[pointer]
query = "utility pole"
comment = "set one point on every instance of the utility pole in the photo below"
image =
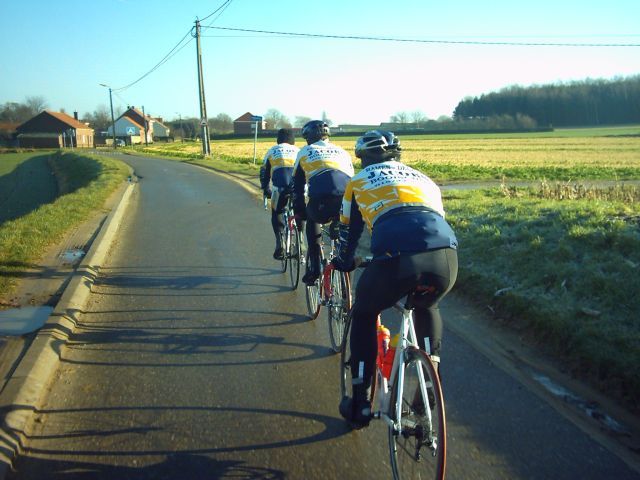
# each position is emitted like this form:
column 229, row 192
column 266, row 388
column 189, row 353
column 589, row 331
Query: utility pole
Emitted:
column 181, row 128
column 204, row 122
column 113, row 122
column 146, row 128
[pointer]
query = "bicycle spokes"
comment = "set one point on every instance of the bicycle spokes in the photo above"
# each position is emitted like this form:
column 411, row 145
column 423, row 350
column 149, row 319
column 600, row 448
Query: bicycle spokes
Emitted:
column 417, row 440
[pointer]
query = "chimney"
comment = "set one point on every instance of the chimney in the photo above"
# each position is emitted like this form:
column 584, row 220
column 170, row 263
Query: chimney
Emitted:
column 75, row 115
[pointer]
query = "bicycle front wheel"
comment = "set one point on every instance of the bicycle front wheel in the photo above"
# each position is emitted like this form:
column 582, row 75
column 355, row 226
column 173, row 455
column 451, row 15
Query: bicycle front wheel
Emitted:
column 345, row 361
column 418, row 449
column 338, row 308
column 284, row 241
column 295, row 253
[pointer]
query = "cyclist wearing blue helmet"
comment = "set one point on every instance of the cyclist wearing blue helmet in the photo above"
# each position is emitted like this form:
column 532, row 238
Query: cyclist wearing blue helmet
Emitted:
column 277, row 170
column 413, row 247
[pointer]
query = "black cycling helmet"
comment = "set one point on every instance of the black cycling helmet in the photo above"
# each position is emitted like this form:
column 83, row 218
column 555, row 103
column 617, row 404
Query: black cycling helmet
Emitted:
column 286, row 135
column 377, row 146
column 315, row 130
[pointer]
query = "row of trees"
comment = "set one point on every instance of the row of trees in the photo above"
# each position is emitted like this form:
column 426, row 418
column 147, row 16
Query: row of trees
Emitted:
column 588, row 103
column 15, row 112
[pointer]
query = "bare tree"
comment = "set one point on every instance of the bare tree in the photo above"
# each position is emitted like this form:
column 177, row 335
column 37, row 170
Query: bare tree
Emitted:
column 99, row 120
column 276, row 119
column 418, row 117
column 400, row 117
column 16, row 112
column 300, row 121
column 221, row 123
column 36, row 104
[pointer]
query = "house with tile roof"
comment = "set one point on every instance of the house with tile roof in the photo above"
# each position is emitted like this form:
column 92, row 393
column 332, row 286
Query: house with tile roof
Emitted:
column 128, row 130
column 51, row 129
column 133, row 125
column 159, row 129
column 245, row 124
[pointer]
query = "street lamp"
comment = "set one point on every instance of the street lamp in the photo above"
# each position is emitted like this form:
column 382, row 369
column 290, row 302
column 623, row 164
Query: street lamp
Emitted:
column 113, row 122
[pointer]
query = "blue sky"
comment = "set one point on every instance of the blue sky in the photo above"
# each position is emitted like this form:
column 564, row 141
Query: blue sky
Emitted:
column 62, row 50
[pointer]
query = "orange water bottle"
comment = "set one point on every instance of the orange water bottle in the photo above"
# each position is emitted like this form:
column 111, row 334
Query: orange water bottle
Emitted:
column 387, row 363
column 384, row 337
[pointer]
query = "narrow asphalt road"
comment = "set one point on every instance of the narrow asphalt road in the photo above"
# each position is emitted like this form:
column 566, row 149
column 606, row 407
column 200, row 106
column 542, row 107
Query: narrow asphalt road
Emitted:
column 194, row 360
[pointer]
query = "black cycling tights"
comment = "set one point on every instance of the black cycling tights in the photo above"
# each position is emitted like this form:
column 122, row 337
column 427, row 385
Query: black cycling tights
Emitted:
column 383, row 283
column 319, row 211
column 279, row 201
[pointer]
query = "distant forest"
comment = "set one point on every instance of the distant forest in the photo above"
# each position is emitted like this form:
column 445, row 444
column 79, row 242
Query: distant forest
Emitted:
column 580, row 103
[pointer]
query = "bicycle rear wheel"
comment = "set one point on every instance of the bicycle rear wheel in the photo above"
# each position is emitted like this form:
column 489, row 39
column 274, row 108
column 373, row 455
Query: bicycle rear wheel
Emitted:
column 419, row 449
column 338, row 308
column 295, row 253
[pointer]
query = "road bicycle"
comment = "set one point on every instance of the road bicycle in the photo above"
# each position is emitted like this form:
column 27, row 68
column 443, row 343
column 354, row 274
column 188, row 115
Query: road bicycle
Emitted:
column 407, row 397
column 332, row 289
column 291, row 242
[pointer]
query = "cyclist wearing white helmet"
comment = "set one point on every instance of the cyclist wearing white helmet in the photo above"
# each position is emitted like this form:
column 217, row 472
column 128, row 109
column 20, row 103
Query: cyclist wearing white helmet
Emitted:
column 412, row 245
column 326, row 169
column 277, row 169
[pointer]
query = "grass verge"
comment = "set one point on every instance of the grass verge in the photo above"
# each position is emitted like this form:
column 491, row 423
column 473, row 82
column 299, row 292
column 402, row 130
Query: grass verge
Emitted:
column 562, row 269
column 85, row 181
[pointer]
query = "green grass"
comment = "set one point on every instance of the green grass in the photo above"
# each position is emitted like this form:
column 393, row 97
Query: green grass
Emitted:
column 86, row 182
column 564, row 270
column 20, row 174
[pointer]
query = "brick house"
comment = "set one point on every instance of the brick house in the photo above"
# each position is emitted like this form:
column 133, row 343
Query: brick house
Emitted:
column 54, row 130
column 244, row 124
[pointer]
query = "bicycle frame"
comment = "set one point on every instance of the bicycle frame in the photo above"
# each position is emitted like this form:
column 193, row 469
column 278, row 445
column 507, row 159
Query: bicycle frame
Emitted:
column 383, row 392
column 326, row 272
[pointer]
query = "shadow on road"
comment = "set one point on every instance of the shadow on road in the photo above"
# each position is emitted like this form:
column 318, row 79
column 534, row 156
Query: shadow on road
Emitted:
column 174, row 466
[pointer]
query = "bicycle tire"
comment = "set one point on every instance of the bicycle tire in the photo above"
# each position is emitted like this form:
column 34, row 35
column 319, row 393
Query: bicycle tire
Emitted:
column 419, row 450
column 338, row 308
column 284, row 241
column 295, row 252
column 314, row 293
column 345, row 359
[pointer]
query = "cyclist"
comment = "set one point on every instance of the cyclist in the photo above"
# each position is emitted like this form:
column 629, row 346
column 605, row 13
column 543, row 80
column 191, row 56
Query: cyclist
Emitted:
column 412, row 247
column 325, row 169
column 277, row 169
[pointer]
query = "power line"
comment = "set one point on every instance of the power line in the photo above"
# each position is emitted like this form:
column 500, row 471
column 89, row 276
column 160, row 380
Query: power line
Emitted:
column 221, row 7
column 417, row 40
column 171, row 53
column 177, row 47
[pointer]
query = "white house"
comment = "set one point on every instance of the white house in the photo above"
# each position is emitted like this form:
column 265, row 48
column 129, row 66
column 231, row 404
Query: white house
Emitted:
column 159, row 129
column 128, row 129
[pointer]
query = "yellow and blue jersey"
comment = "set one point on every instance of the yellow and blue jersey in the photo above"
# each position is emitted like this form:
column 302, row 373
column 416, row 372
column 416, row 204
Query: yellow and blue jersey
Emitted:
column 277, row 165
column 402, row 208
column 326, row 169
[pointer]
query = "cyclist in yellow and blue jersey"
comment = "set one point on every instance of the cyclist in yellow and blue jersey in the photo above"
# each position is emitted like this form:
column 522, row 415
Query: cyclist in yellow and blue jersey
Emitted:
column 413, row 246
column 325, row 169
column 277, row 169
